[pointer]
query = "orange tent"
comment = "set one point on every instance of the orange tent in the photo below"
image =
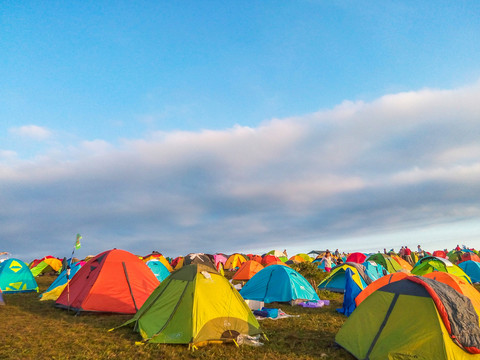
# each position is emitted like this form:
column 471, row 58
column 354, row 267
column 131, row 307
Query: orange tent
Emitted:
column 384, row 280
column 297, row 259
column 247, row 270
column 267, row 259
column 470, row 256
column 257, row 258
column 114, row 281
column 234, row 261
column 403, row 263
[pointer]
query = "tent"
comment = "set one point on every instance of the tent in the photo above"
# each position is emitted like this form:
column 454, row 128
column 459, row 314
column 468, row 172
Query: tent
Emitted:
column 336, row 280
column 268, row 259
column 15, row 277
column 35, row 262
column 378, row 284
column 386, row 261
column 114, row 281
column 440, row 253
column 177, row 263
column 472, row 269
column 220, row 258
column 403, row 263
column 158, row 256
column 352, row 289
column 278, row 283
column 158, row 268
column 257, row 258
column 431, row 263
column 48, row 264
column 56, row 288
column 247, row 270
column 375, row 271
column 414, row 318
column 199, row 258
column 470, row 256
column 234, row 261
column 194, row 305
column 356, row 257
column 279, row 254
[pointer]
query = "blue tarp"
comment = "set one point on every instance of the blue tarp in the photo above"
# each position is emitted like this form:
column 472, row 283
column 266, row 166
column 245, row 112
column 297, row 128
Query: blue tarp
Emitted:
column 351, row 292
column 278, row 283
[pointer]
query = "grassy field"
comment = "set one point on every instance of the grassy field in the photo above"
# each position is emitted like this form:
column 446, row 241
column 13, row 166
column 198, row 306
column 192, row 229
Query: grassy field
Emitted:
column 33, row 329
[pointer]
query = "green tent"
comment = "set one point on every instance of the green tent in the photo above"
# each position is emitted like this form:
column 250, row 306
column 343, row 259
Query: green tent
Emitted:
column 195, row 305
column 431, row 263
column 386, row 261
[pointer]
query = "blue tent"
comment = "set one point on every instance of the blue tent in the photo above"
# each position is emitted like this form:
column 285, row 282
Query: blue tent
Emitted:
column 278, row 283
column 351, row 292
column 336, row 280
column 15, row 276
column 159, row 270
column 375, row 271
column 472, row 269
column 62, row 278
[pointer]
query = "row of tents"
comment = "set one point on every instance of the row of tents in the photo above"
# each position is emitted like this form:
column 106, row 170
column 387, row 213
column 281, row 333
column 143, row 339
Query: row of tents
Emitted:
column 429, row 310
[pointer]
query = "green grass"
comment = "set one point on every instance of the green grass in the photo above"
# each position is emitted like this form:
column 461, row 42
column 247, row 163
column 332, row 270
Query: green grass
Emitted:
column 33, row 329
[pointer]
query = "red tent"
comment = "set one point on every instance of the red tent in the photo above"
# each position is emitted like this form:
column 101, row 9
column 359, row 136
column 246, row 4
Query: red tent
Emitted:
column 440, row 253
column 256, row 258
column 470, row 256
column 356, row 257
column 269, row 259
column 114, row 281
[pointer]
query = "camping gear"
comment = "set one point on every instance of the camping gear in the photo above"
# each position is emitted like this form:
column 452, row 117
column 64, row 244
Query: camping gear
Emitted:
column 414, row 318
column 278, row 283
column 114, row 281
column 158, row 268
column 15, row 277
column 247, row 270
column 472, row 269
column 56, row 288
column 336, row 280
column 430, row 263
column 195, row 305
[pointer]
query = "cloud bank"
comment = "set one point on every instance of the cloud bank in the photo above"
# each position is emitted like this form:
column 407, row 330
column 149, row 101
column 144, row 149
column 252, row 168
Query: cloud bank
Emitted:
column 404, row 162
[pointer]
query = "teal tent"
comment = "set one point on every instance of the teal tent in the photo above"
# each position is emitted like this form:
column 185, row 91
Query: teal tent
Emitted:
column 159, row 270
column 278, row 283
column 15, row 276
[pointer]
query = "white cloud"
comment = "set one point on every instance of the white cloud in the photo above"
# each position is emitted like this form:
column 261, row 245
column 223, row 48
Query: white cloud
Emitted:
column 32, row 132
column 400, row 162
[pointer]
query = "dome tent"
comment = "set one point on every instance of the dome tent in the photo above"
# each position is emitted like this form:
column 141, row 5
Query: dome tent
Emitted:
column 195, row 305
column 278, row 283
column 16, row 277
column 388, row 332
column 114, row 281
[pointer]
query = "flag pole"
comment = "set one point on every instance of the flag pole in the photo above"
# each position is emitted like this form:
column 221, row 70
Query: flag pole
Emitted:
column 76, row 246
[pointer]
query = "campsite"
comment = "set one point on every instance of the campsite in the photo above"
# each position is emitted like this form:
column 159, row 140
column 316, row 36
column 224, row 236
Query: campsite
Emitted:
column 100, row 326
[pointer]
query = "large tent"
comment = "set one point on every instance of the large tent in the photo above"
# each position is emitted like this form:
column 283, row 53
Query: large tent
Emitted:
column 114, row 281
column 472, row 269
column 195, row 305
column 15, row 277
column 414, row 318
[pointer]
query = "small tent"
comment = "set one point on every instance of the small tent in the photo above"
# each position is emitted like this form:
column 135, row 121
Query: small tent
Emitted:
column 247, row 270
column 278, row 283
column 386, row 261
column 199, row 258
column 336, row 281
column 114, row 281
column 15, row 277
column 158, row 268
column 356, row 257
column 56, row 288
column 430, row 263
column 159, row 257
column 48, row 264
column 195, row 305
column 472, row 269
column 234, row 261
column 414, row 318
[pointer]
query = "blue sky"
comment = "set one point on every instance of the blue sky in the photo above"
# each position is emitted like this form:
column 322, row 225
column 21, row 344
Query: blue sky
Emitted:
column 238, row 126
